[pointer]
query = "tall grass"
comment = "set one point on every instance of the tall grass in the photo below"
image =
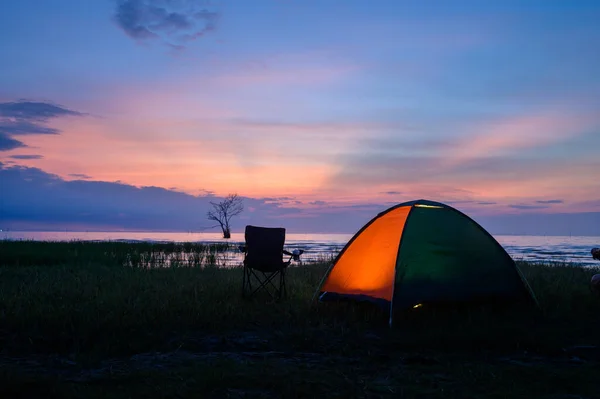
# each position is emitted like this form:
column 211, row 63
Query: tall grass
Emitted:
column 87, row 299
column 115, row 253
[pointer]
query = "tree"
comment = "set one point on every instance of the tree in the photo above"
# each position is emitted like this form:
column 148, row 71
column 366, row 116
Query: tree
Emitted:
column 223, row 212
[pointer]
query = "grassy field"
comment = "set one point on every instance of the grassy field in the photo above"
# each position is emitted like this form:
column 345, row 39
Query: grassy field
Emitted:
column 99, row 320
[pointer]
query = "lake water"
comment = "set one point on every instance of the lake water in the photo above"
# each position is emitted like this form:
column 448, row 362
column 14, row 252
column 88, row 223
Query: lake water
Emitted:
column 318, row 246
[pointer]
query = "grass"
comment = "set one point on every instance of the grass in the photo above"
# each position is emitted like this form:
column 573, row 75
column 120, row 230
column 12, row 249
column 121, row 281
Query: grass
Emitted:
column 114, row 253
column 82, row 320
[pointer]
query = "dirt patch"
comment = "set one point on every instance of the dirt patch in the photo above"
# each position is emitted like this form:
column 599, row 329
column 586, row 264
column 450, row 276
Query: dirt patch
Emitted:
column 251, row 347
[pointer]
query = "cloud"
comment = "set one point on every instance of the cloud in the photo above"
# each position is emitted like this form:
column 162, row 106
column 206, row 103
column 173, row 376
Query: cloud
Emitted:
column 557, row 224
column 24, row 127
column 594, row 204
column 290, row 75
column 174, row 22
column 277, row 199
column 318, row 203
column 34, row 199
column 486, row 203
column 518, row 206
column 502, row 159
column 554, row 201
column 515, row 133
column 281, row 202
column 80, row 175
column 208, row 193
column 459, row 202
column 20, row 118
column 34, row 111
column 24, row 156
column 7, row 143
column 392, row 192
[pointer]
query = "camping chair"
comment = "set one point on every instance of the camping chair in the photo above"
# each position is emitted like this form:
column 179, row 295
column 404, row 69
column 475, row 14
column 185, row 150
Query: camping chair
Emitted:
column 263, row 260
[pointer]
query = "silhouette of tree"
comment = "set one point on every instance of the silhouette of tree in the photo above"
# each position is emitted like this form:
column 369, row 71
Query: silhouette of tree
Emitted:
column 223, row 212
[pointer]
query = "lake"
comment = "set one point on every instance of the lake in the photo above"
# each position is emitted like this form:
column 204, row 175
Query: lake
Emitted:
column 575, row 249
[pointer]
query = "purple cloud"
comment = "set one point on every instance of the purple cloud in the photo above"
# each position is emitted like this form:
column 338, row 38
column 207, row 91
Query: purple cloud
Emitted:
column 28, row 117
column 26, row 156
column 392, row 192
column 517, row 206
column 32, row 197
column 32, row 111
column 8, row 143
column 35, row 199
column 80, row 176
column 175, row 22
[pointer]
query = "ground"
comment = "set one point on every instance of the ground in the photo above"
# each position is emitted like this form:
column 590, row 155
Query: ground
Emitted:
column 83, row 325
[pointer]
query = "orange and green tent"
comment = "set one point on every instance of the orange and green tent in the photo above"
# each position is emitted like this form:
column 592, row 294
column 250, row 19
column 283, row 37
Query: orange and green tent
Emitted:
column 423, row 252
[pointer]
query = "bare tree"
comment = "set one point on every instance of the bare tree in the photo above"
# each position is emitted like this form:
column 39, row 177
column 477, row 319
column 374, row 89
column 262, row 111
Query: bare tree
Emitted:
column 223, row 212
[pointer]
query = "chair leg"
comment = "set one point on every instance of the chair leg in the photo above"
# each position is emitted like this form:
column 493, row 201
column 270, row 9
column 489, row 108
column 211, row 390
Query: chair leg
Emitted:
column 247, row 282
column 283, row 283
column 268, row 282
column 280, row 292
column 278, row 289
column 244, row 282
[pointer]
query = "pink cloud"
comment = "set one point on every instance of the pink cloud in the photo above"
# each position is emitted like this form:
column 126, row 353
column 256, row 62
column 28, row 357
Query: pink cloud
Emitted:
column 297, row 75
column 98, row 149
column 196, row 93
column 483, row 166
column 507, row 135
column 171, row 134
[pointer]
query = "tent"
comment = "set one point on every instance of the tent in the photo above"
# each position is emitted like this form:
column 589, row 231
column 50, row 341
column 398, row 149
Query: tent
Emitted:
column 423, row 252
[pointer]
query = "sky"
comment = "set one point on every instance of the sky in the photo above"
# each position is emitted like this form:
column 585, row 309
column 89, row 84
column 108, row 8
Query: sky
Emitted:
column 135, row 114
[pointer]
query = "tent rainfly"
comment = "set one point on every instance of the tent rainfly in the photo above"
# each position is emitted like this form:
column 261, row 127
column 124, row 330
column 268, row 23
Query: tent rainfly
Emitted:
column 423, row 252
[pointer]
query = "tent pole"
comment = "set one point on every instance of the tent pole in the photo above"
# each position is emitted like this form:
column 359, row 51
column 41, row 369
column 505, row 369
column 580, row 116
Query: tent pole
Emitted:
column 404, row 267
column 321, row 282
column 524, row 280
column 392, row 301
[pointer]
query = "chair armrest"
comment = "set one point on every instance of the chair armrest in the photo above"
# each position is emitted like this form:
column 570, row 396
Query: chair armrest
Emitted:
column 295, row 254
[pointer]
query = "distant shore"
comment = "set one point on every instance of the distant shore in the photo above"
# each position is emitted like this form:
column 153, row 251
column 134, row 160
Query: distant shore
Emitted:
column 544, row 249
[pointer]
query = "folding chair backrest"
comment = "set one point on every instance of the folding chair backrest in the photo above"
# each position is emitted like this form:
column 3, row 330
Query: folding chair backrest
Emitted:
column 264, row 247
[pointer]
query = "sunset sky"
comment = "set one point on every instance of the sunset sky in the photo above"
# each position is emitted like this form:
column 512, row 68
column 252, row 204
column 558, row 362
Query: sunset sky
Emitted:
column 133, row 114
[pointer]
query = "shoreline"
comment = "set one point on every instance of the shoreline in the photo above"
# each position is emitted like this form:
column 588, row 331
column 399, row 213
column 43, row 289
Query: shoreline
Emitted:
column 316, row 251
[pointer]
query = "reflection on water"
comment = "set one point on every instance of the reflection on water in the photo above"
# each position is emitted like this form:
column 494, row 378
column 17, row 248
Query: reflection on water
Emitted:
column 551, row 249
column 324, row 246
